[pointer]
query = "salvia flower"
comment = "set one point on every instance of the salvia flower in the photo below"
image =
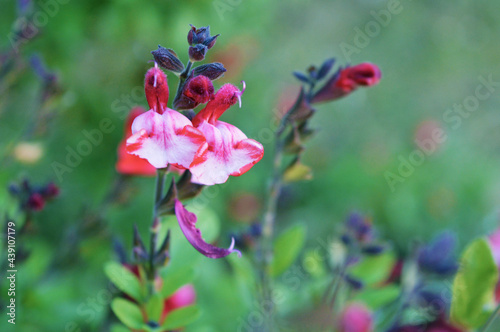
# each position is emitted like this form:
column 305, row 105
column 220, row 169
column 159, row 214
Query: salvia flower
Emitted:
column 347, row 80
column 167, row 138
column 230, row 151
column 438, row 256
column 156, row 88
column 187, row 222
column 164, row 136
column 127, row 163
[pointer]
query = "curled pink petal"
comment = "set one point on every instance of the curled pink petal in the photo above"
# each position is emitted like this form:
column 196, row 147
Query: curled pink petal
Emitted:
column 187, row 222
column 165, row 139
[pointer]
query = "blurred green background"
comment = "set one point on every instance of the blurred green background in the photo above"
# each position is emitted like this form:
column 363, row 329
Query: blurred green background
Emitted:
column 431, row 54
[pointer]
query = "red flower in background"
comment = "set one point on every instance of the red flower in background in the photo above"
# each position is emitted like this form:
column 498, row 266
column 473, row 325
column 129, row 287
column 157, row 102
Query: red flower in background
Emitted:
column 183, row 297
column 127, row 163
column 347, row 80
column 230, row 151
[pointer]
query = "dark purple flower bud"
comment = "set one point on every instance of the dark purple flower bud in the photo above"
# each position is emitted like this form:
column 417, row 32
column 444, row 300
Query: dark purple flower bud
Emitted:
column 437, row 303
column 325, row 68
column 359, row 227
column 167, row 59
column 438, row 256
column 139, row 251
column 255, row 229
column 211, row 70
column 119, row 250
column 346, row 239
column 197, row 52
column 373, row 249
column 353, row 282
column 14, row 189
column 302, row 77
column 187, row 222
column 50, row 191
column 36, row 202
column 153, row 324
column 201, row 36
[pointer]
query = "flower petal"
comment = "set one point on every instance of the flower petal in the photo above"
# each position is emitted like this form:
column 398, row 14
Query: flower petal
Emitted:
column 230, row 152
column 187, row 222
column 166, row 139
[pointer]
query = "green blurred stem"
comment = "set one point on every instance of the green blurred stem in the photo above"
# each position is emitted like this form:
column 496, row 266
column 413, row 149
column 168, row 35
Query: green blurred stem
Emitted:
column 335, row 286
column 491, row 319
column 268, row 227
column 155, row 226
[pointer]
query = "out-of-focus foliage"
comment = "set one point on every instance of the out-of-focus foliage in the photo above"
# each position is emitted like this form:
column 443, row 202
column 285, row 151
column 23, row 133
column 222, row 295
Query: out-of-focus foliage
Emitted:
column 433, row 55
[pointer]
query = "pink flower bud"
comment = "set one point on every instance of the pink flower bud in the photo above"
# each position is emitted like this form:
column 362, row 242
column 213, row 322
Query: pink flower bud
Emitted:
column 347, row 80
column 355, row 318
column 36, row 202
column 200, row 89
column 156, row 88
column 364, row 74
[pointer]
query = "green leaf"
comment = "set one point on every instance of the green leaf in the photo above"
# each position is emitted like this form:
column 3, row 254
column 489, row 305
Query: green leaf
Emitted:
column 373, row 269
column 376, row 298
column 286, row 248
column 124, row 280
column 474, row 285
column 181, row 317
column 245, row 277
column 119, row 328
column 128, row 313
column 175, row 279
column 154, row 307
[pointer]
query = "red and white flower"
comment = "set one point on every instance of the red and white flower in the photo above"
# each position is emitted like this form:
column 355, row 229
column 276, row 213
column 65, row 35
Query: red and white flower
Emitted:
column 164, row 136
column 230, row 151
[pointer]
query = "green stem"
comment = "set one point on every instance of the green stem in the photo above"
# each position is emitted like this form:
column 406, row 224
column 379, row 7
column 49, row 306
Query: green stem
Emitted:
column 266, row 249
column 160, row 183
column 337, row 282
column 491, row 319
column 182, row 79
